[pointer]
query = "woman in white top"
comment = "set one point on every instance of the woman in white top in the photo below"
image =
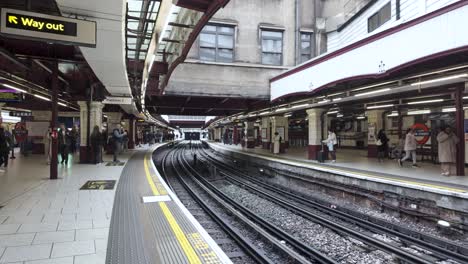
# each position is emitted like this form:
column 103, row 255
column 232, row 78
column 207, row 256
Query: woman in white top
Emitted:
column 276, row 143
column 331, row 142
column 410, row 148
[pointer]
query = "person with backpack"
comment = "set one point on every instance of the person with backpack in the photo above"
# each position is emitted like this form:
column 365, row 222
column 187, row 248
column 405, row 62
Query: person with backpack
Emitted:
column 117, row 136
column 331, row 142
column 382, row 145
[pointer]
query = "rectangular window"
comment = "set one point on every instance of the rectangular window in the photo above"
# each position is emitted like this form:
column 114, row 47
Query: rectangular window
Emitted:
column 272, row 47
column 306, row 46
column 379, row 18
column 217, row 43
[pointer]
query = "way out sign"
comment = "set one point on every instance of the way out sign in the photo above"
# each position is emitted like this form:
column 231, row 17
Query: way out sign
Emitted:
column 37, row 26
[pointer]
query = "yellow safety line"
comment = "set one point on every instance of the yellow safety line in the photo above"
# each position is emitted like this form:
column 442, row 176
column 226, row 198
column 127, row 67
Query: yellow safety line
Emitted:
column 180, row 235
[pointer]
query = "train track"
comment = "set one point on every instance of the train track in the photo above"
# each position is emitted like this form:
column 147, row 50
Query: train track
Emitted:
column 202, row 191
column 308, row 208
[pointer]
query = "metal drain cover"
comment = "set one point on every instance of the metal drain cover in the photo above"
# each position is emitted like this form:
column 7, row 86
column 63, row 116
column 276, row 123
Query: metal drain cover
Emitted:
column 99, row 185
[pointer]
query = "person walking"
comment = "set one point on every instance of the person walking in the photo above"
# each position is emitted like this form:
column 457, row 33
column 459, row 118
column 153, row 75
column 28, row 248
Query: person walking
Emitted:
column 331, row 142
column 447, row 142
column 96, row 144
column 410, row 148
column 382, row 145
column 4, row 148
column 276, row 143
column 117, row 135
column 64, row 143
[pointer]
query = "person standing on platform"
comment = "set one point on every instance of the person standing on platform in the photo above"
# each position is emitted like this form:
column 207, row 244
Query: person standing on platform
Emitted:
column 276, row 143
column 447, row 150
column 118, row 135
column 4, row 148
column 410, row 148
column 331, row 142
column 96, row 144
column 73, row 139
column 382, row 145
column 64, row 143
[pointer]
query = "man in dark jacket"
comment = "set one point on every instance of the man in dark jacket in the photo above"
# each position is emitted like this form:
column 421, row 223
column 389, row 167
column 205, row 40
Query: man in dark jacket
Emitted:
column 117, row 135
column 64, row 143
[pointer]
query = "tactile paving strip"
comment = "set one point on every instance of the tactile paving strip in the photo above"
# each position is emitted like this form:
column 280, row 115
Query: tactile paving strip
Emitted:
column 151, row 232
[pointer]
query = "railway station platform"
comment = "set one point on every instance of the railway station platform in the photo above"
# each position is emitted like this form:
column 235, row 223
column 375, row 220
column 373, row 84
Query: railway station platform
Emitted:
column 53, row 221
column 355, row 164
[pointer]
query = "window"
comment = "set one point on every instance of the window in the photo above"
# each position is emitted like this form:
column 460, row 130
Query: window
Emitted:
column 379, row 18
column 217, row 43
column 306, row 46
column 272, row 47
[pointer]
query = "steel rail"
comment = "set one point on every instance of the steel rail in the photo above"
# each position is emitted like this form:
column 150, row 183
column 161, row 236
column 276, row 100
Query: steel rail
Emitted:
column 248, row 247
column 277, row 232
column 400, row 253
column 450, row 251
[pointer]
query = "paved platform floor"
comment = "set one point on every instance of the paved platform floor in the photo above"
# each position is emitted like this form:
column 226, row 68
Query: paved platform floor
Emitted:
column 357, row 159
column 52, row 221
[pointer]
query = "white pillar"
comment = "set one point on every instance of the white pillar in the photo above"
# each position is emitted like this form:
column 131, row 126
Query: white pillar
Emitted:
column 375, row 123
column 315, row 132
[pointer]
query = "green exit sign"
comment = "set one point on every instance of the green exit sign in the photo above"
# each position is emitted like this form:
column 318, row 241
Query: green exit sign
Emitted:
column 37, row 26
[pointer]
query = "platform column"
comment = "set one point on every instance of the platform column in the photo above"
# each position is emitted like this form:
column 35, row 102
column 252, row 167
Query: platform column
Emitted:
column 131, row 132
column 265, row 132
column 315, row 132
column 375, row 123
column 461, row 130
column 235, row 135
column 95, row 120
column 280, row 124
column 249, row 134
column 217, row 134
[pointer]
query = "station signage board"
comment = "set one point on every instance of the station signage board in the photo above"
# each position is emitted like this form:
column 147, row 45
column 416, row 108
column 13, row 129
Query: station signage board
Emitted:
column 118, row 100
column 38, row 26
column 20, row 113
column 7, row 95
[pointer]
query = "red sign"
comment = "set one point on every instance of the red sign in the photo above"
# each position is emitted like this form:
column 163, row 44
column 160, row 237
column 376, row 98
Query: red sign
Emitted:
column 20, row 132
column 422, row 133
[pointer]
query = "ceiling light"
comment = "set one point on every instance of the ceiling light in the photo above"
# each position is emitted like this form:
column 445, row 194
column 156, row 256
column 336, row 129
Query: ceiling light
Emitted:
column 324, row 101
column 299, row 106
column 42, row 97
column 393, row 114
column 371, row 86
column 337, row 99
column 339, row 115
column 426, row 101
column 447, row 110
column 361, row 117
column 373, row 92
column 62, row 104
column 380, row 106
column 281, row 109
column 15, row 88
column 332, row 112
column 419, row 112
column 264, row 113
column 287, row 115
column 441, row 79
